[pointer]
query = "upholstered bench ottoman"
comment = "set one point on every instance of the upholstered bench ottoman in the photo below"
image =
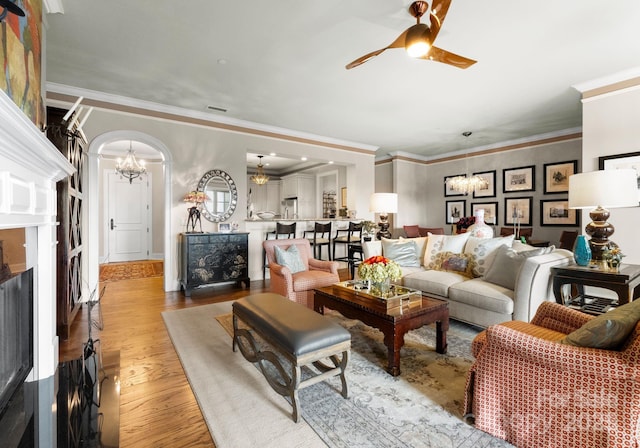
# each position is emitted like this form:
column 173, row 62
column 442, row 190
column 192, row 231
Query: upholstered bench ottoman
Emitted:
column 296, row 333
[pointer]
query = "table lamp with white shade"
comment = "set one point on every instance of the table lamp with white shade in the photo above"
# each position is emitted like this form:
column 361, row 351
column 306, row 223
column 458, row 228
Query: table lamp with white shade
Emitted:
column 383, row 203
column 600, row 190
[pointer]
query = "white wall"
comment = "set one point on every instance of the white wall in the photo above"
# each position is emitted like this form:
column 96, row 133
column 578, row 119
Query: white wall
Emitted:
column 196, row 149
column 611, row 126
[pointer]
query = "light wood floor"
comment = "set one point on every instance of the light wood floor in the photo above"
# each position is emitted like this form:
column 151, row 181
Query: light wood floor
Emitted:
column 157, row 407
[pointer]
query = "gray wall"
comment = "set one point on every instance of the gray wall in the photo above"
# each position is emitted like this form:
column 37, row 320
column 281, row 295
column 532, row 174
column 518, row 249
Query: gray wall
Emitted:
column 421, row 186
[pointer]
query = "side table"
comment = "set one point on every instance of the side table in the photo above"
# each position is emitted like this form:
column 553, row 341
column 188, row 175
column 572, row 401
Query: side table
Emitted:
column 624, row 282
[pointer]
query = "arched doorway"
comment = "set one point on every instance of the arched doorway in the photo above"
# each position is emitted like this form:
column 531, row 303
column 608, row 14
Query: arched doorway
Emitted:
column 94, row 203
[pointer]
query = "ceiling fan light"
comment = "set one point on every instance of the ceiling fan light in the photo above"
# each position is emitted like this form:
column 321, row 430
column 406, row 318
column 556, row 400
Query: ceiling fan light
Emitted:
column 418, row 40
column 418, row 49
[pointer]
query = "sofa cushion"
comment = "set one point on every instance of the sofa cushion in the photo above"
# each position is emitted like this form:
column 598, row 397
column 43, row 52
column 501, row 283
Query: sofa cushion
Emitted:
column 403, row 252
column 607, row 331
column 507, row 263
column 483, row 251
column 443, row 243
column 433, row 282
column 290, row 258
column 484, row 295
column 450, row 262
column 421, row 244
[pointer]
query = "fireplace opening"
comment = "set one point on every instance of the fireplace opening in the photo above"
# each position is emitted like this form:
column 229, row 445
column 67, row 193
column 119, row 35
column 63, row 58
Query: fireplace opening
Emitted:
column 16, row 334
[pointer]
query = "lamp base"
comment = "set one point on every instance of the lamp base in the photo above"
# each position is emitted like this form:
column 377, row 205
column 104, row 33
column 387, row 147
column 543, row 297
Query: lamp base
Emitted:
column 599, row 230
column 384, row 228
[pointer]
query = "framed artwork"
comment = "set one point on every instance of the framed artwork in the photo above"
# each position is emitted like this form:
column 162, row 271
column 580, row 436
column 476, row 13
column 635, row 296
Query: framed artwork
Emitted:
column 455, row 210
column 490, row 191
column 490, row 211
column 224, row 227
column 557, row 213
column 556, row 176
column 448, row 191
column 519, row 179
column 517, row 211
column 622, row 161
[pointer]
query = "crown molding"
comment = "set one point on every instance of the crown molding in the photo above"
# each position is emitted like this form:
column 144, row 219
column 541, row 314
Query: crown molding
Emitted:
column 64, row 93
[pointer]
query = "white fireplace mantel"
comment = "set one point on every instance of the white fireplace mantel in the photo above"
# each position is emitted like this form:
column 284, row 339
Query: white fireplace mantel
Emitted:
column 30, row 166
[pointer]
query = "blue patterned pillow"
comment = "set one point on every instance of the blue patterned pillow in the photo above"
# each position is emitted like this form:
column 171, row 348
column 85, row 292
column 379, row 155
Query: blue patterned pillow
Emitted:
column 290, row 259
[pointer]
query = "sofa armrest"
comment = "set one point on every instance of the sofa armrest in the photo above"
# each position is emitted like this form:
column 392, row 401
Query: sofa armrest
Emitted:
column 580, row 362
column 533, row 284
column 323, row 265
column 281, row 279
column 560, row 318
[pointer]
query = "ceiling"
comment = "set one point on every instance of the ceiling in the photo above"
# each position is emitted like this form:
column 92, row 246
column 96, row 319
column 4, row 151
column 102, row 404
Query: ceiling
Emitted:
column 282, row 63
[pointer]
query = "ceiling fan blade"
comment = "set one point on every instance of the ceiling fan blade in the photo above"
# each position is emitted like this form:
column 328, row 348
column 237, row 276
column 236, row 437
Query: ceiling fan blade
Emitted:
column 12, row 7
column 398, row 43
column 446, row 57
column 439, row 10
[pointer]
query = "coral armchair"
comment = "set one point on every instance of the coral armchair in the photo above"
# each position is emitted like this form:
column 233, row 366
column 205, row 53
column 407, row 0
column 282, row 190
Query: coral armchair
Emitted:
column 532, row 391
column 299, row 286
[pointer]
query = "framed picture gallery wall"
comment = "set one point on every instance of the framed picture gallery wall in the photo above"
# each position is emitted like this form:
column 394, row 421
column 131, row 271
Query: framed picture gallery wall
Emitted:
column 556, row 176
column 519, row 179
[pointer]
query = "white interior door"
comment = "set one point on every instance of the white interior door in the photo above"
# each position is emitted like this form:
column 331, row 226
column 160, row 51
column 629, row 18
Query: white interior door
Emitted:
column 128, row 218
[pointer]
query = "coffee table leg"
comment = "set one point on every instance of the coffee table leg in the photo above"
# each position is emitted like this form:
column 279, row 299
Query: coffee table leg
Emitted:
column 393, row 342
column 441, row 337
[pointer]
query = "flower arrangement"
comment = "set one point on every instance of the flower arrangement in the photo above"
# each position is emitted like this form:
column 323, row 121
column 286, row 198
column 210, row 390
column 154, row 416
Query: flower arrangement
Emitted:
column 613, row 257
column 378, row 269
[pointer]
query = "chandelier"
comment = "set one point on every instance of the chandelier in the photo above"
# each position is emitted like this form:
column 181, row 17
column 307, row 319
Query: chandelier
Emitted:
column 260, row 178
column 130, row 167
column 467, row 185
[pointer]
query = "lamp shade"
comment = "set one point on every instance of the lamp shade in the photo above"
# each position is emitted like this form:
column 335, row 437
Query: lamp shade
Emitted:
column 383, row 203
column 605, row 188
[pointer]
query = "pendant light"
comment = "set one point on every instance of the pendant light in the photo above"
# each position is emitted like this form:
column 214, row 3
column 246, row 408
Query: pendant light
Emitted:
column 260, row 178
column 130, row 168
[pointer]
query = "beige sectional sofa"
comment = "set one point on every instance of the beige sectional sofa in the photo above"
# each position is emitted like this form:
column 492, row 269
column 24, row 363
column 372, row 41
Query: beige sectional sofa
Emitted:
column 486, row 281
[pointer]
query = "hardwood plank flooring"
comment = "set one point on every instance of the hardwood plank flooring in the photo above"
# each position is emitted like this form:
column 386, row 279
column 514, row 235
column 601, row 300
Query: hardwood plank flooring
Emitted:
column 157, row 407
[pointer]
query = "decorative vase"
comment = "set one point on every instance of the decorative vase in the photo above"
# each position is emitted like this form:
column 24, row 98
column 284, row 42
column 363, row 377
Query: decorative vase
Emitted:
column 382, row 288
column 582, row 251
column 480, row 229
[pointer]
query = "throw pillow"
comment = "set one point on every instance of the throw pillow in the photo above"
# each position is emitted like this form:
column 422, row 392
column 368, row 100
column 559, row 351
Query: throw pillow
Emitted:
column 290, row 258
column 443, row 243
column 483, row 251
column 607, row 331
column 421, row 243
column 411, row 231
column 403, row 252
column 450, row 262
column 506, row 265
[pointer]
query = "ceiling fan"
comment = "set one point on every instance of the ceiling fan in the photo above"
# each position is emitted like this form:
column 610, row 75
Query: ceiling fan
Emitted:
column 418, row 39
column 10, row 6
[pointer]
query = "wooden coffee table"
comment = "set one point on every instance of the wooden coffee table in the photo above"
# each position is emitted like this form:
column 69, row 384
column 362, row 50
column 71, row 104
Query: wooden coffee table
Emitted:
column 392, row 323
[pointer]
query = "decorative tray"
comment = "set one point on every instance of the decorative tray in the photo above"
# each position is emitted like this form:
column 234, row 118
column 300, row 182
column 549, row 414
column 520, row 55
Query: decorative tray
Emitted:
column 397, row 296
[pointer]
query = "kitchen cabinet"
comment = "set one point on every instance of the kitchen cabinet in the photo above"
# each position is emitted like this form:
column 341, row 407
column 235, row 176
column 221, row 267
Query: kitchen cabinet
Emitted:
column 209, row 258
column 302, row 186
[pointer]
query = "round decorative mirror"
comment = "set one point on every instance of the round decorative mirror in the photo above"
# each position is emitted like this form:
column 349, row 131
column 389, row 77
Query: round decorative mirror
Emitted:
column 221, row 195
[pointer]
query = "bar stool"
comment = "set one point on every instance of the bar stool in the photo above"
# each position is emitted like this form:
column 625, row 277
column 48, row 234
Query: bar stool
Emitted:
column 321, row 236
column 287, row 231
column 349, row 235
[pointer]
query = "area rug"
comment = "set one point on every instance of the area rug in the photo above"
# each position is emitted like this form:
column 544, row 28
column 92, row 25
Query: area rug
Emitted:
column 420, row 408
column 112, row 272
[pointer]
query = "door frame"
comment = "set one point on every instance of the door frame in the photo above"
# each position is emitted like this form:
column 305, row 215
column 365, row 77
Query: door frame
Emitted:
column 93, row 177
